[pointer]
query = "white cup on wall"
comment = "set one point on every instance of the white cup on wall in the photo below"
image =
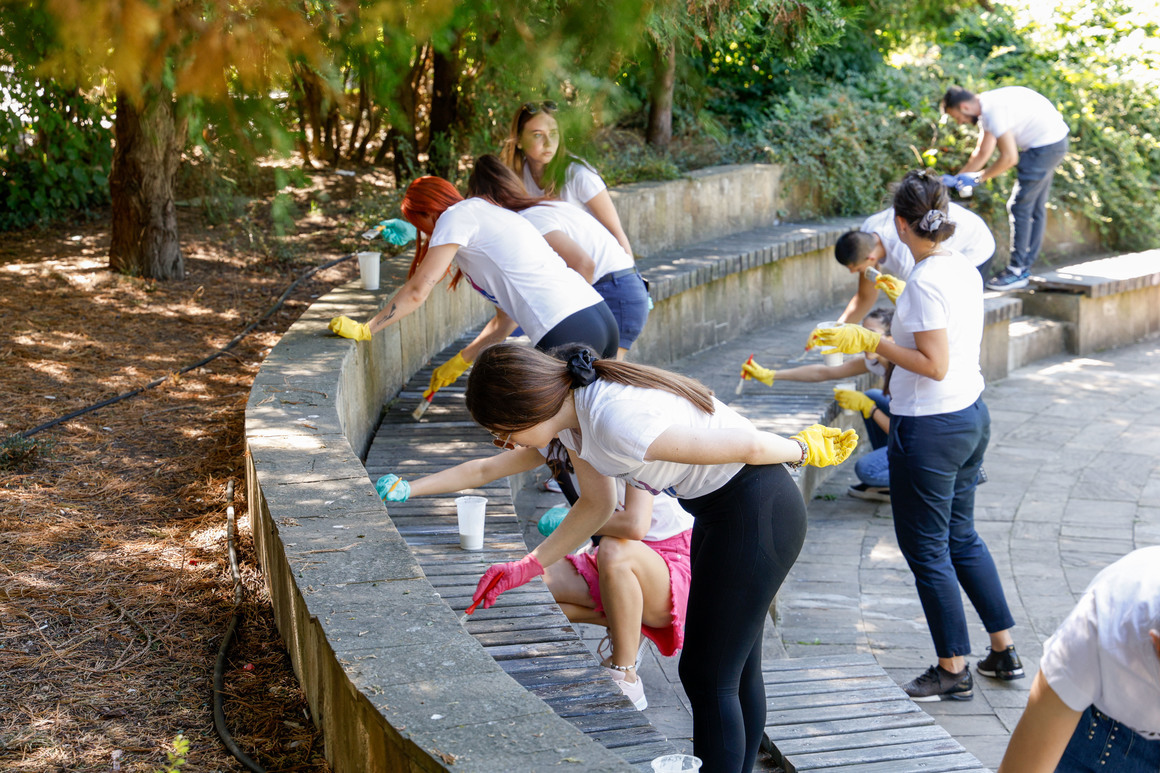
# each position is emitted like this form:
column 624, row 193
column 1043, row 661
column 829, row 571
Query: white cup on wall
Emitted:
column 836, row 357
column 368, row 269
column 470, row 511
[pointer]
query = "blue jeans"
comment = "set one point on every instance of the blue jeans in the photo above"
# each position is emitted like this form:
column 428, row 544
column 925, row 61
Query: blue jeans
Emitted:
column 1100, row 743
column 1027, row 207
column 934, row 469
column 627, row 298
column 873, row 468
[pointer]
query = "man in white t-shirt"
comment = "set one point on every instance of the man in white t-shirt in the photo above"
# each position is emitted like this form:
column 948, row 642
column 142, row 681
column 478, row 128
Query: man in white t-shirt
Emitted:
column 1095, row 703
column 1032, row 137
column 876, row 244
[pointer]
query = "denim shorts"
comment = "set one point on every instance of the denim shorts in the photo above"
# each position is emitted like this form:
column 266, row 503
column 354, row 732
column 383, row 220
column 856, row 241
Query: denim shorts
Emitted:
column 627, row 297
column 1101, row 743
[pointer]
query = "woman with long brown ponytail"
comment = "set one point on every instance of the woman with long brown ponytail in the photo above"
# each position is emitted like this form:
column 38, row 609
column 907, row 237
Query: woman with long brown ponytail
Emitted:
column 664, row 432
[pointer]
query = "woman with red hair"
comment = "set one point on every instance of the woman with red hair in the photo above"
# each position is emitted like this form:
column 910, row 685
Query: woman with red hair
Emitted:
column 505, row 259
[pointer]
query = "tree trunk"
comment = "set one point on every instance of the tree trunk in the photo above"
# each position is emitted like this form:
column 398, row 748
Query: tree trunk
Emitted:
column 444, row 109
column 660, row 109
column 148, row 146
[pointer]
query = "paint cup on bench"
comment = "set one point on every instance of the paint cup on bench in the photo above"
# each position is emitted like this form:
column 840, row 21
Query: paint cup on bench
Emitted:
column 850, row 385
column 470, row 511
column 368, row 269
column 676, row 763
column 835, row 358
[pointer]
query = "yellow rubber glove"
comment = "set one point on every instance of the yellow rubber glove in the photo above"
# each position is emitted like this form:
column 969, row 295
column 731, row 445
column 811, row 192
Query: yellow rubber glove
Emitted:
column 752, row 370
column 853, row 400
column 891, row 285
column 348, row 328
column 826, row 446
column 447, row 373
column 847, row 339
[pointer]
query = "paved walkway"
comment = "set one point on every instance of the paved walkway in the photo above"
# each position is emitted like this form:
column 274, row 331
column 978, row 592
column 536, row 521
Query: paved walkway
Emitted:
column 1074, row 468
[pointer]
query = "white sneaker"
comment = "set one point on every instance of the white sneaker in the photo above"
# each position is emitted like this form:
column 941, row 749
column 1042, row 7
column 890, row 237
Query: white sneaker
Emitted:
column 634, row 691
column 604, row 650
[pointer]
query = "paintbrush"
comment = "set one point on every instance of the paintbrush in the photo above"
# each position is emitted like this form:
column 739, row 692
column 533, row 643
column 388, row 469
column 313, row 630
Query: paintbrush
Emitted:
column 423, row 405
column 741, row 383
column 471, row 609
column 872, row 273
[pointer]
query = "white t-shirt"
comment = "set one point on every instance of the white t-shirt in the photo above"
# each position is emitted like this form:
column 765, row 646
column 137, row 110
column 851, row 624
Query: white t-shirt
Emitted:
column 1027, row 114
column 943, row 292
column 668, row 519
column 1102, row 655
column 581, row 184
column 618, row 423
column 582, row 228
column 972, row 238
column 510, row 264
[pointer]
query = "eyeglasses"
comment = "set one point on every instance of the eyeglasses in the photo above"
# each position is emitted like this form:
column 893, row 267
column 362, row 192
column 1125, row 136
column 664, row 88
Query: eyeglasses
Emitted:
column 531, row 108
column 505, row 442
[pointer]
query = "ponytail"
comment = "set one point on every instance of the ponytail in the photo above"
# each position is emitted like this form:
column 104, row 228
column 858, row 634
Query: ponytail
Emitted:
column 514, row 387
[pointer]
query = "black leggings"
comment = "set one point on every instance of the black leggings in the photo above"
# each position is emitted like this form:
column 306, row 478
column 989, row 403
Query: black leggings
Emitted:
column 594, row 326
column 746, row 536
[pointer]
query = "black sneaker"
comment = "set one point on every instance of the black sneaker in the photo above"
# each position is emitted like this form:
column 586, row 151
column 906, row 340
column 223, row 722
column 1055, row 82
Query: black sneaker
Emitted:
column 938, row 684
column 872, row 493
column 1004, row 664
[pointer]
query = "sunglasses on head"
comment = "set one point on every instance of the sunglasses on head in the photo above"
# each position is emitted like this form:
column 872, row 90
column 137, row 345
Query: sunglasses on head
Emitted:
column 505, row 442
column 531, row 108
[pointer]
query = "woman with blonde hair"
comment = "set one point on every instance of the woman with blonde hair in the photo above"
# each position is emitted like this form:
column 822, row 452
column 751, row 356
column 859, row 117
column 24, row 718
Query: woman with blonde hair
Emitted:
column 534, row 150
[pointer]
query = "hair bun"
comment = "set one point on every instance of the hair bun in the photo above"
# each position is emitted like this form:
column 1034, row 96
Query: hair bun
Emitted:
column 582, row 368
column 932, row 220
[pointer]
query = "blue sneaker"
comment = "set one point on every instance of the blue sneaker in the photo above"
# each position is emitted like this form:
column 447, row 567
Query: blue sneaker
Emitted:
column 1009, row 279
column 551, row 519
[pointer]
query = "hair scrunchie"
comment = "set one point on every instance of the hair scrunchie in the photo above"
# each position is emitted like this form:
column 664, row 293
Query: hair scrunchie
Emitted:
column 582, row 368
column 932, row 220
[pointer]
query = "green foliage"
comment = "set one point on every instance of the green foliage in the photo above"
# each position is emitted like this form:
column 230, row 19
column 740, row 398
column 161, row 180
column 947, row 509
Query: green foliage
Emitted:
column 20, row 454
column 846, row 141
column 55, row 142
column 176, row 758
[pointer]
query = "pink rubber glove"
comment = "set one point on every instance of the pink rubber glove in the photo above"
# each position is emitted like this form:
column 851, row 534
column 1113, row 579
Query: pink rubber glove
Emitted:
column 511, row 575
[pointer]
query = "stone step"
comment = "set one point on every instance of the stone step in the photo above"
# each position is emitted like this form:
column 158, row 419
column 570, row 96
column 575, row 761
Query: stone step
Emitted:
column 1034, row 338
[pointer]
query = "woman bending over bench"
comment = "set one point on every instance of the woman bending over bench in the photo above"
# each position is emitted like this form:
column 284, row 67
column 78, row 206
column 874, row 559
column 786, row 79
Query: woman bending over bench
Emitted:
column 664, row 432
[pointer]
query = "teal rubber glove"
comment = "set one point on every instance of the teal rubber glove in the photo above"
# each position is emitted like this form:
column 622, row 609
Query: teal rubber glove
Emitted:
column 392, row 488
column 551, row 519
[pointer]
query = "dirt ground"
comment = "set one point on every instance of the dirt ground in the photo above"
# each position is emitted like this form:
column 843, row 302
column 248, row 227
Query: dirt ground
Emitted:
column 115, row 586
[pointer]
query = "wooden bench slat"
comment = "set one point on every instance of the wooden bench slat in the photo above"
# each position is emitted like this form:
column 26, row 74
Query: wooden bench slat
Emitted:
column 882, row 737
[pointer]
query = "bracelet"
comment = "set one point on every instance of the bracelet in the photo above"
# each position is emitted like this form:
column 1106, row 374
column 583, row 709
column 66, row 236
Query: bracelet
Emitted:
column 805, row 453
column 872, row 411
column 625, row 669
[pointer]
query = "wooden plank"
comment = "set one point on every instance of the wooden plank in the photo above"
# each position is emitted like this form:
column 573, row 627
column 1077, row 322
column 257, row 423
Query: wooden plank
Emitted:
column 786, row 729
column 780, row 715
column 944, row 763
column 854, row 701
column 865, row 740
column 846, row 758
column 819, row 675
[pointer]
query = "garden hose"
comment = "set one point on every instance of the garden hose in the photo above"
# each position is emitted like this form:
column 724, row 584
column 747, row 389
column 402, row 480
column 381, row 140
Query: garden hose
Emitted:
column 219, row 714
column 158, row 381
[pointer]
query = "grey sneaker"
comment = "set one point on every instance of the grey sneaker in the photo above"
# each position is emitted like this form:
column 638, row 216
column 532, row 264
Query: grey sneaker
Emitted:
column 1004, row 664
column 1009, row 279
column 938, row 684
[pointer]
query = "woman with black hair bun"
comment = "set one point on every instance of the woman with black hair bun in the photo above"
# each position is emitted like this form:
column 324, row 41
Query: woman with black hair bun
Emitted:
column 666, row 433
column 938, row 435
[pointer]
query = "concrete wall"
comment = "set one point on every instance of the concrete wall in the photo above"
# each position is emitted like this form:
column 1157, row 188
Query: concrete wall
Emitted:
column 701, row 205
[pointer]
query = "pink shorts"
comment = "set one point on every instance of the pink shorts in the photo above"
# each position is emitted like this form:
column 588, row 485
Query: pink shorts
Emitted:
column 675, row 552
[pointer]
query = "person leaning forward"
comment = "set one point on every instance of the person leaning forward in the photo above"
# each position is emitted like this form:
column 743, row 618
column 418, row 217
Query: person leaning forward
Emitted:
column 1031, row 136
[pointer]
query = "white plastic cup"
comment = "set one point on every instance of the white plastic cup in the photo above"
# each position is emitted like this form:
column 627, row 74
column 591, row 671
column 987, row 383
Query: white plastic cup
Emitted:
column 851, row 386
column 676, row 763
column 830, row 359
column 368, row 269
column 470, row 511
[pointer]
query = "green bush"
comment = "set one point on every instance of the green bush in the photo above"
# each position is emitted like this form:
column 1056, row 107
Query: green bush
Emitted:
column 848, row 140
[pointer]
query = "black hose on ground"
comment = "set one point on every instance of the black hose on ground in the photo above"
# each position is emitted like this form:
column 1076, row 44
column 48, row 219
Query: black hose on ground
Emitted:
column 158, row 381
column 219, row 680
